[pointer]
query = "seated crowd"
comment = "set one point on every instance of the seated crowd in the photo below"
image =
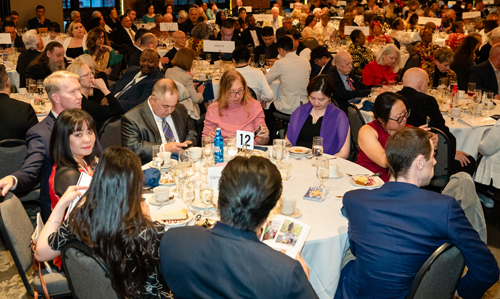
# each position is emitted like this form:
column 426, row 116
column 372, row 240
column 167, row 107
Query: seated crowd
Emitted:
column 107, row 68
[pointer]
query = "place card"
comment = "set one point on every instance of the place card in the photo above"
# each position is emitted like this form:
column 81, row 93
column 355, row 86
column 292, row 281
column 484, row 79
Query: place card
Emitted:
column 291, row 5
column 451, row 3
column 213, row 176
column 173, row 26
column 424, row 20
column 5, row 39
column 489, row 2
column 263, row 18
column 349, row 29
column 244, row 139
column 248, row 8
column 218, row 45
column 471, row 15
column 342, row 3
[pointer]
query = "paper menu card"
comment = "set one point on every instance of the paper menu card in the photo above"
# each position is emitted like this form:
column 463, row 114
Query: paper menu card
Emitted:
column 172, row 26
column 471, row 15
column 285, row 234
column 213, row 176
column 424, row 20
column 84, row 180
column 218, row 45
column 349, row 29
column 5, row 39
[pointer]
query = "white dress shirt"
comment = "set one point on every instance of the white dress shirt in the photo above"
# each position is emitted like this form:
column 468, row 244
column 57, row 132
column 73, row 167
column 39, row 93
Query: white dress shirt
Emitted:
column 159, row 124
column 256, row 81
column 255, row 38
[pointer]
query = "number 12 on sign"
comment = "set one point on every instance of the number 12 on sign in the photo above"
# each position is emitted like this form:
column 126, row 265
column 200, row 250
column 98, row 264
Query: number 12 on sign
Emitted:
column 244, row 139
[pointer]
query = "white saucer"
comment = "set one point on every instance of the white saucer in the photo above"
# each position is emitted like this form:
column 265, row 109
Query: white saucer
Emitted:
column 153, row 202
column 150, row 164
column 339, row 176
column 297, row 213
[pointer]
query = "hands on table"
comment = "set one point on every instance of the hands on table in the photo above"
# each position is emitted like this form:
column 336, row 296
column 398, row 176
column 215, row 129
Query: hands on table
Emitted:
column 176, row 147
column 6, row 184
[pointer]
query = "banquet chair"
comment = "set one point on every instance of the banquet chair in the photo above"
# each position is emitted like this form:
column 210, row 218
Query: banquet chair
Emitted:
column 310, row 43
column 16, row 228
column 413, row 61
column 440, row 274
column 85, row 268
column 111, row 133
column 444, row 157
column 280, row 125
column 356, row 121
column 12, row 154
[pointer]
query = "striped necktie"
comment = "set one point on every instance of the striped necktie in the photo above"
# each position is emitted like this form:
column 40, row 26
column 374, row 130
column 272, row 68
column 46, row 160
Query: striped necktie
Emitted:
column 349, row 81
column 167, row 131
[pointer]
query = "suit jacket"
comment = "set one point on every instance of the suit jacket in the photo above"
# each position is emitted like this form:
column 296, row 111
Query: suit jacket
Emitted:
column 121, row 37
column 131, row 55
column 328, row 67
column 139, row 92
column 101, row 113
column 484, row 77
column 35, row 24
column 247, row 39
column 140, row 132
column 421, row 106
column 236, row 11
column 37, row 71
column 186, row 26
column 170, row 54
column 261, row 50
column 22, row 64
column 16, row 118
column 394, row 229
column 248, row 267
column 342, row 95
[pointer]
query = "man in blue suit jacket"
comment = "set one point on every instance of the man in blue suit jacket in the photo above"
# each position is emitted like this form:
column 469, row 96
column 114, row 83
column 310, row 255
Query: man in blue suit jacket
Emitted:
column 63, row 91
column 394, row 229
column 136, row 85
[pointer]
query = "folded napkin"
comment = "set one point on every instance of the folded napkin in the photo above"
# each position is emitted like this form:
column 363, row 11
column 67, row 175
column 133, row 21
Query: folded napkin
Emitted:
column 355, row 100
column 367, row 106
column 152, row 177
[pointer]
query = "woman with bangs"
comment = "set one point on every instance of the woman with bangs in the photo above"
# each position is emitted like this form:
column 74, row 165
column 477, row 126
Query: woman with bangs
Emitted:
column 99, row 47
column 235, row 109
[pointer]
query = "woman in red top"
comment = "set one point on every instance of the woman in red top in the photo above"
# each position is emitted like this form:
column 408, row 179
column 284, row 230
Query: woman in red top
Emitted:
column 384, row 68
column 377, row 33
column 390, row 115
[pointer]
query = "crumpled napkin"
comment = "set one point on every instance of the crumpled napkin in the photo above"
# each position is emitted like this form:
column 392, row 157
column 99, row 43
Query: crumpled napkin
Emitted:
column 152, row 177
column 367, row 106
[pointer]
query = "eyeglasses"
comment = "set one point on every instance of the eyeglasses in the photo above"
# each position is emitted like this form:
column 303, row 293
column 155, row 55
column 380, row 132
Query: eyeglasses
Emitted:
column 89, row 74
column 402, row 117
column 236, row 93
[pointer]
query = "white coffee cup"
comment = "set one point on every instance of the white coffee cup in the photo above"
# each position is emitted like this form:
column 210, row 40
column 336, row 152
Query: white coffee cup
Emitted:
column 195, row 153
column 334, row 170
column 288, row 205
column 23, row 90
column 161, row 193
column 461, row 94
column 455, row 112
column 165, row 156
column 202, row 77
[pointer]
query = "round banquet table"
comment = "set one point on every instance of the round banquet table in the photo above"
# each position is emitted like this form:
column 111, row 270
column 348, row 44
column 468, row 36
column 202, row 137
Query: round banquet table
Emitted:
column 327, row 240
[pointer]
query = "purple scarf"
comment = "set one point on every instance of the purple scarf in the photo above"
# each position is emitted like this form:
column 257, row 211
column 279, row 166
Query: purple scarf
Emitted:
column 334, row 127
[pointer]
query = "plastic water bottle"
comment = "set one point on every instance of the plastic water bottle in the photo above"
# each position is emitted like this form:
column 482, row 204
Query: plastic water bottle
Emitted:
column 219, row 147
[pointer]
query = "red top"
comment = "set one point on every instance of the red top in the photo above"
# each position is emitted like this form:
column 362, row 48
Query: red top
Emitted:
column 376, row 74
column 366, row 162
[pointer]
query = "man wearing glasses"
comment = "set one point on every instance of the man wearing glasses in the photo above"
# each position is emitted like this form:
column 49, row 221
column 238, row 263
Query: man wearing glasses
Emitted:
column 179, row 39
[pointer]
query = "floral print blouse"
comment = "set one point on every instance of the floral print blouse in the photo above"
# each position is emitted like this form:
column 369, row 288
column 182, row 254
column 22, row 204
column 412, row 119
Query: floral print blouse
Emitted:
column 361, row 56
column 426, row 54
column 196, row 45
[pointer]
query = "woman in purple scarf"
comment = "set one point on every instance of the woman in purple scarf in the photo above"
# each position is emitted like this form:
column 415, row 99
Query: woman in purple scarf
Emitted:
column 319, row 117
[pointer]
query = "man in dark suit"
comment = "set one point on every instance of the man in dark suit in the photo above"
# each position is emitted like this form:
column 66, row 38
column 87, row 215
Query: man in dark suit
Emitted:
column 16, row 40
column 226, row 34
column 189, row 24
column 159, row 120
column 34, row 45
column 179, row 39
column 236, row 9
column 268, row 47
column 124, row 35
column 16, row 117
column 321, row 61
column 63, row 91
column 415, row 82
column 135, row 50
column 287, row 24
column 486, row 75
column 347, row 85
column 50, row 60
column 135, row 86
column 248, row 189
column 393, row 230
column 132, row 14
column 39, row 21
column 251, row 36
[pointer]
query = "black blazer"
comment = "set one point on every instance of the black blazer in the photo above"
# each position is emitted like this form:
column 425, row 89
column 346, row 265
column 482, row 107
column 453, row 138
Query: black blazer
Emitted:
column 260, row 50
column 37, row 71
column 423, row 105
column 342, row 95
column 140, row 132
column 16, row 118
column 484, row 77
column 137, row 93
column 134, row 55
column 121, row 37
column 317, row 71
column 247, row 39
column 34, row 23
column 22, row 64
column 101, row 113
column 186, row 26
column 170, row 54
column 484, row 53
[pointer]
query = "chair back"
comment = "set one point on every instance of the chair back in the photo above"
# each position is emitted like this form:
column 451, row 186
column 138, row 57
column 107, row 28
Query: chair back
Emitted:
column 12, row 154
column 444, row 157
column 16, row 228
column 280, row 125
column 310, row 43
column 252, row 93
column 440, row 274
column 111, row 133
column 356, row 121
column 413, row 61
column 88, row 275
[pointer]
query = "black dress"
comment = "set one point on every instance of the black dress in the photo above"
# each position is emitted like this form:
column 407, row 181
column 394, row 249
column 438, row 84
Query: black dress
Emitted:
column 308, row 131
column 74, row 52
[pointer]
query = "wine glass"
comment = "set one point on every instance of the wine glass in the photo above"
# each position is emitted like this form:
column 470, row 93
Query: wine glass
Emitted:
column 184, row 157
column 207, row 193
column 232, row 150
column 156, row 156
column 322, row 170
column 262, row 60
column 39, row 87
column 188, row 194
column 175, row 172
column 471, row 90
column 317, row 147
column 209, row 58
column 279, row 146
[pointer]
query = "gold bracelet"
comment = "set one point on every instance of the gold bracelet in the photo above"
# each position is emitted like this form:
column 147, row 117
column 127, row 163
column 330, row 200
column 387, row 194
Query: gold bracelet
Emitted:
column 53, row 221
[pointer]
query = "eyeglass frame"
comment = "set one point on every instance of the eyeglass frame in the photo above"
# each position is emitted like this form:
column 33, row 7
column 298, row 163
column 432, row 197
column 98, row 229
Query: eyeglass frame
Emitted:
column 236, row 93
column 399, row 120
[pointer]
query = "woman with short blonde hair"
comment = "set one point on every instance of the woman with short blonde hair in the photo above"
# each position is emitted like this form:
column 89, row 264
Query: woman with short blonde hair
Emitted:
column 385, row 68
column 75, row 45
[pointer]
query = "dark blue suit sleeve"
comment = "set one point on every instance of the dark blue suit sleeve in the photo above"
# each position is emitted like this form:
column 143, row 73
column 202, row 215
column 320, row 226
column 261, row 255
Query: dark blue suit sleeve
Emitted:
column 482, row 267
column 298, row 285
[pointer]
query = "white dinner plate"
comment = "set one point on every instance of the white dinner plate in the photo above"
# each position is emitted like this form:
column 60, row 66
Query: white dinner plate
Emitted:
column 299, row 151
column 176, row 222
column 373, row 182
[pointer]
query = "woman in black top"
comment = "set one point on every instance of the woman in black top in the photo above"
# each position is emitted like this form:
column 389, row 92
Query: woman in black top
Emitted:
column 74, row 45
column 463, row 60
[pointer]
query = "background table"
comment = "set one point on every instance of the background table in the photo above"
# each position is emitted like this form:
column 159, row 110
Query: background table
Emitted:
column 13, row 76
column 327, row 240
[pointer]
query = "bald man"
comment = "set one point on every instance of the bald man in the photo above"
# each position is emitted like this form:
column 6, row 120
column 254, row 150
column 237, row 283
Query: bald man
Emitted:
column 342, row 73
column 415, row 82
column 486, row 75
column 179, row 38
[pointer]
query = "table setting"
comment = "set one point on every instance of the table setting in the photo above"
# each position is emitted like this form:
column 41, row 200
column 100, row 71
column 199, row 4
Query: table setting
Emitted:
column 36, row 96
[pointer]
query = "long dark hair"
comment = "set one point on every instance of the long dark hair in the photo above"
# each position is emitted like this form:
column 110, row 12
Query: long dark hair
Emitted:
column 68, row 122
column 110, row 221
column 42, row 58
column 465, row 51
column 218, row 18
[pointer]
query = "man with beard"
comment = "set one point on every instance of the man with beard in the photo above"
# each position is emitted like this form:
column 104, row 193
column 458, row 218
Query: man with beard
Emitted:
column 136, row 85
column 47, row 62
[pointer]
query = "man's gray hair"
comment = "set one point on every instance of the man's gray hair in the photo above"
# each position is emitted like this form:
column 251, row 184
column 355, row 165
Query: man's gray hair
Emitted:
column 74, row 12
column 30, row 39
column 54, row 81
column 163, row 87
column 94, row 14
column 183, row 14
column 193, row 8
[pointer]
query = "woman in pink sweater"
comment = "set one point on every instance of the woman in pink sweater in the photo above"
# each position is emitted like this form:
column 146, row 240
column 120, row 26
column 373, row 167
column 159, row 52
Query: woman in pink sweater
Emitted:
column 235, row 109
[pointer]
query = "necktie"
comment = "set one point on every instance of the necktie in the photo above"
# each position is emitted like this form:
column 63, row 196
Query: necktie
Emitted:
column 349, row 81
column 167, row 131
column 118, row 95
column 132, row 33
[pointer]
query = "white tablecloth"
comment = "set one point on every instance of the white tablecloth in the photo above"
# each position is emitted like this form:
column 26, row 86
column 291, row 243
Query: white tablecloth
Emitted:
column 40, row 113
column 14, row 77
column 327, row 241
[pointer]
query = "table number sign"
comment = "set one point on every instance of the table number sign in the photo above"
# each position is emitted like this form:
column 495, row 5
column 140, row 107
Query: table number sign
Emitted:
column 349, row 29
column 424, row 20
column 491, row 2
column 471, row 15
column 342, row 3
column 213, row 176
column 174, row 26
column 218, row 45
column 5, row 39
column 248, row 8
column 244, row 139
column 263, row 18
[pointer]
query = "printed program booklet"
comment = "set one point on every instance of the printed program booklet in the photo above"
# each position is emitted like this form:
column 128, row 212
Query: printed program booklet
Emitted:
column 316, row 194
column 285, row 234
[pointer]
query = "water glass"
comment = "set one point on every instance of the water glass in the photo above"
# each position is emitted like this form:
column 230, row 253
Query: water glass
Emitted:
column 188, row 193
column 279, row 147
column 232, row 150
column 209, row 58
column 488, row 100
column 262, row 60
column 322, row 170
column 39, row 86
column 157, row 153
column 285, row 169
column 443, row 82
column 207, row 194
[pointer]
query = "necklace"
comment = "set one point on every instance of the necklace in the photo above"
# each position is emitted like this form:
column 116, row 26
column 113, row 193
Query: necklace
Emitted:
column 315, row 118
column 85, row 168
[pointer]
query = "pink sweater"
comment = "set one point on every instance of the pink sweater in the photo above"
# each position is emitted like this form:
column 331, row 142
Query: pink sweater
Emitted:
column 235, row 117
